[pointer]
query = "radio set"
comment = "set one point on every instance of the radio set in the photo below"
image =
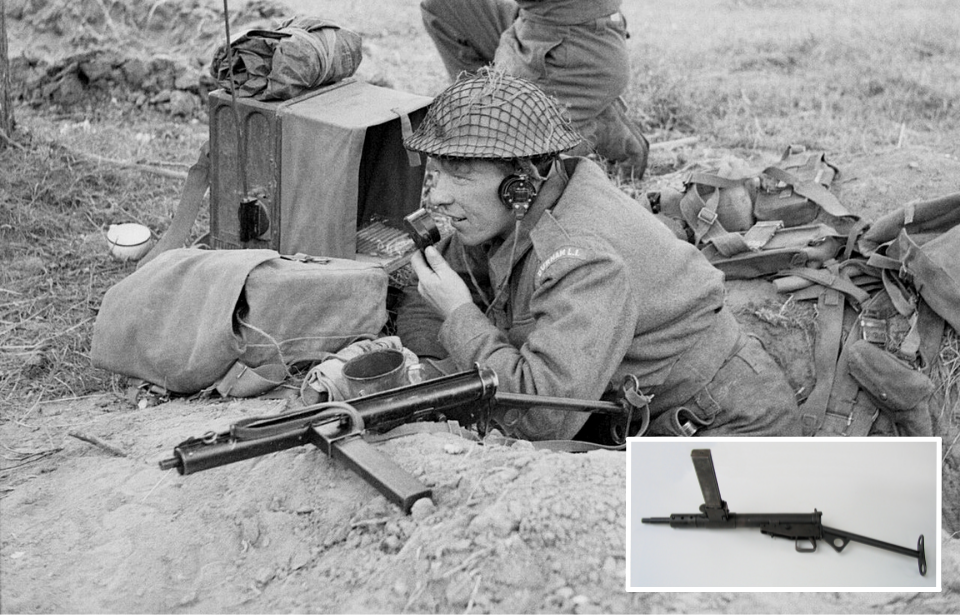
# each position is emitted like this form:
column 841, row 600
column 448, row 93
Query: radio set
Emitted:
column 318, row 168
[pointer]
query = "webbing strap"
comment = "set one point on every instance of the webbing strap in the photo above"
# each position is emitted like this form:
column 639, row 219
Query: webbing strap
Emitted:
column 910, row 345
column 904, row 300
column 708, row 179
column 198, row 180
column 852, row 237
column 811, row 190
column 883, row 262
column 702, row 215
column 406, row 130
column 931, row 326
column 826, row 351
column 730, row 244
column 833, row 279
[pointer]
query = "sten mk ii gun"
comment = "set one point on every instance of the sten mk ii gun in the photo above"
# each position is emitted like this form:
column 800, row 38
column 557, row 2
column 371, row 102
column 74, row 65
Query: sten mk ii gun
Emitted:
column 802, row 527
column 337, row 428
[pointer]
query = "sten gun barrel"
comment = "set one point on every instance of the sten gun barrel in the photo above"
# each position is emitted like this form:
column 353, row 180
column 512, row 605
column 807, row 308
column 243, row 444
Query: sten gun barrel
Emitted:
column 804, row 528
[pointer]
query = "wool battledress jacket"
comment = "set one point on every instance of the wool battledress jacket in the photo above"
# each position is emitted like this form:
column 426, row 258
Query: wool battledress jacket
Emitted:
column 599, row 289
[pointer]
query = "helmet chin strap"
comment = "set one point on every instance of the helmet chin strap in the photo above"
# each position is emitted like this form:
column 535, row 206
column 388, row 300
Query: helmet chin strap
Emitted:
column 505, row 284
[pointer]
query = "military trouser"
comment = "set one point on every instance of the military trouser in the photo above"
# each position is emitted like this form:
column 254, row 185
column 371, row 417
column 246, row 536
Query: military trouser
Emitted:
column 748, row 396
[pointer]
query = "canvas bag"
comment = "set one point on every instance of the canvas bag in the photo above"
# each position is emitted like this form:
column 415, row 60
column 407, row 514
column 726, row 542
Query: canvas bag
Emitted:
column 935, row 271
column 800, row 189
column 190, row 316
column 787, row 217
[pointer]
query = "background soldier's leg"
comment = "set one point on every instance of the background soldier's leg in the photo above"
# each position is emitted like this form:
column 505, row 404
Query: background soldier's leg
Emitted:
column 587, row 68
column 467, row 32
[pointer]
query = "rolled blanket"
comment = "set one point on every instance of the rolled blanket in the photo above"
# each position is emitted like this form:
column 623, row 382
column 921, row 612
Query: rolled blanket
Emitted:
column 300, row 54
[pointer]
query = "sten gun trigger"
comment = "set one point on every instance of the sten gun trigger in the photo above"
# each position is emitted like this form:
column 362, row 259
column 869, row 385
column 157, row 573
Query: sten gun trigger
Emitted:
column 802, row 527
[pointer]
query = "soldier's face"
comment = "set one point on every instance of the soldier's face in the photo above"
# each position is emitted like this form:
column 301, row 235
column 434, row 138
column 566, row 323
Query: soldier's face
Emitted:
column 466, row 192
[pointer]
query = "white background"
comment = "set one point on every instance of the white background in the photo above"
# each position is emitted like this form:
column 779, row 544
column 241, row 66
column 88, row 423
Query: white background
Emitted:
column 886, row 489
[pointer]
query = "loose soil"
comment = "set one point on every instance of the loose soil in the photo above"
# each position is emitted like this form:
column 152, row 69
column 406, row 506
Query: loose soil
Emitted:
column 509, row 529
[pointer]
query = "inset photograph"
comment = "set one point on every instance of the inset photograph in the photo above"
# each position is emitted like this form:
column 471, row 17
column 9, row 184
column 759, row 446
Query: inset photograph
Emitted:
column 775, row 514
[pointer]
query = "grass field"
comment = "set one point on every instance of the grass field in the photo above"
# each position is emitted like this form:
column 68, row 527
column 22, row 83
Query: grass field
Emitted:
column 839, row 76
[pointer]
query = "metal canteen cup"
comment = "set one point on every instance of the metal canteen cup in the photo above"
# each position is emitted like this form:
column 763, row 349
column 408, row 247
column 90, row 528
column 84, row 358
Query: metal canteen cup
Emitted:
column 378, row 370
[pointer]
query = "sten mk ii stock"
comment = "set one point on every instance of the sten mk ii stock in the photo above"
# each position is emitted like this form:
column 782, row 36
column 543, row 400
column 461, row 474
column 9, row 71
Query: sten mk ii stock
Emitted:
column 801, row 527
column 337, row 427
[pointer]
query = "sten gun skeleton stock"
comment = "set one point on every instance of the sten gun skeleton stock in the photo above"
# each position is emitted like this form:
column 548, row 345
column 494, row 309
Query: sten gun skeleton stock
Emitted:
column 337, row 428
column 802, row 527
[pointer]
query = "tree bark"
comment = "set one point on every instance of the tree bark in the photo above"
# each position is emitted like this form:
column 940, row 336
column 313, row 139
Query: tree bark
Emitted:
column 6, row 112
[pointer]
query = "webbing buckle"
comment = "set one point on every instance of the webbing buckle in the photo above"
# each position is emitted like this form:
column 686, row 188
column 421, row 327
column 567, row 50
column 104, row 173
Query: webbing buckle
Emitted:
column 707, row 215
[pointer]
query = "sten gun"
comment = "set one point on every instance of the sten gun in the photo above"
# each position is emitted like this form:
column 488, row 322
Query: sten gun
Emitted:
column 804, row 528
column 337, row 428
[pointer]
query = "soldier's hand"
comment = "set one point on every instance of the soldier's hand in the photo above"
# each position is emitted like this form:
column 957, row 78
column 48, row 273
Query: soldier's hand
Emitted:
column 439, row 285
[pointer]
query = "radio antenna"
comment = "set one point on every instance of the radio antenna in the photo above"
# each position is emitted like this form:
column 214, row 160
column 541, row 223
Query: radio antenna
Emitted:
column 241, row 140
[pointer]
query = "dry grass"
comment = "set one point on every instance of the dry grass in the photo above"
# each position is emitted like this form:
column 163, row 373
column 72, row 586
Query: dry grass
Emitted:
column 55, row 208
column 849, row 76
column 946, row 374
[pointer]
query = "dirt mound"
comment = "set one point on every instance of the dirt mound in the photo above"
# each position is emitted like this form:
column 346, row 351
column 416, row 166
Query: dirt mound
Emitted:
column 511, row 529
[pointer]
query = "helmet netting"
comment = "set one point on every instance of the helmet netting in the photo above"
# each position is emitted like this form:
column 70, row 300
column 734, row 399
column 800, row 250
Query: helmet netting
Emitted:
column 493, row 115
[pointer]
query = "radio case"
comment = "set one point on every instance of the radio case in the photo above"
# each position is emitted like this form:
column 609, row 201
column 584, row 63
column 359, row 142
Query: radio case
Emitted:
column 318, row 168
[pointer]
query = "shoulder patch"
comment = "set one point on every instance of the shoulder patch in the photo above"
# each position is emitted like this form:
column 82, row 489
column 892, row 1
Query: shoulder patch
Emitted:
column 561, row 254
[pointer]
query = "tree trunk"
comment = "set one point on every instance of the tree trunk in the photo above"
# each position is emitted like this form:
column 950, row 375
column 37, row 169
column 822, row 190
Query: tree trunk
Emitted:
column 6, row 112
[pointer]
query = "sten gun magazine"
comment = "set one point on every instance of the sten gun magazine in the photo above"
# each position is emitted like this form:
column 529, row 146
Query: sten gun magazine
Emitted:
column 804, row 528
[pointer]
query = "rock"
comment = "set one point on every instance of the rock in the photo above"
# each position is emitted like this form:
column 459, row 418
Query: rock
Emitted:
column 566, row 592
column 188, row 80
column 264, row 575
column 134, row 72
column 390, row 544
column 495, row 518
column 68, row 90
column 422, row 508
column 96, row 69
column 182, row 104
column 301, row 556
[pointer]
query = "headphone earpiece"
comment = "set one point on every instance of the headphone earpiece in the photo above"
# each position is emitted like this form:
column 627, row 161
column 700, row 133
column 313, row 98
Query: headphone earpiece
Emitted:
column 517, row 192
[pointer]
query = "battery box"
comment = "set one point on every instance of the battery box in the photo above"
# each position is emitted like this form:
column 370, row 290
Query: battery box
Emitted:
column 317, row 168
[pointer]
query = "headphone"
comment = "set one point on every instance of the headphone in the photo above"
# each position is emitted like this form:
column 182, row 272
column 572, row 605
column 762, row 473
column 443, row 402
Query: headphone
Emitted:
column 517, row 192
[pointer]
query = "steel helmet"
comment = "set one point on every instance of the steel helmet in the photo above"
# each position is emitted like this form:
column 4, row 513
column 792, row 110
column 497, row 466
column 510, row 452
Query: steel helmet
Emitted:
column 493, row 115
